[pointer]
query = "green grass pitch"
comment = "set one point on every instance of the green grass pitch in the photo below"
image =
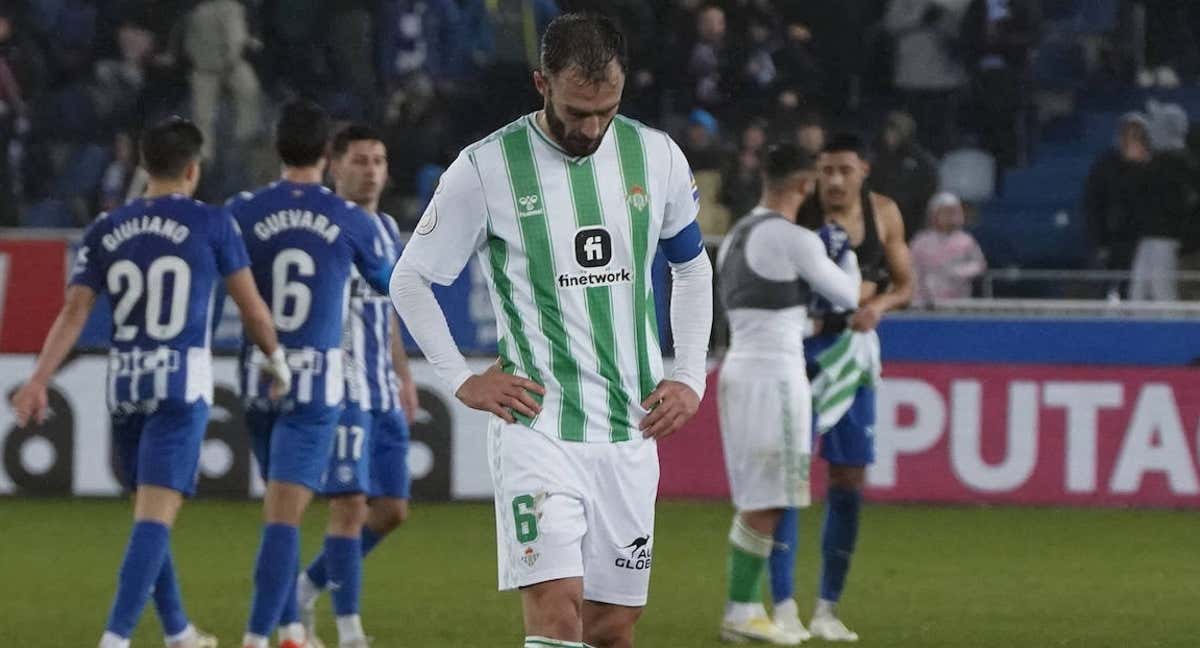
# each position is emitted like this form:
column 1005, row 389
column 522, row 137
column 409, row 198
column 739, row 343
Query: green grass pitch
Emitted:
column 922, row 577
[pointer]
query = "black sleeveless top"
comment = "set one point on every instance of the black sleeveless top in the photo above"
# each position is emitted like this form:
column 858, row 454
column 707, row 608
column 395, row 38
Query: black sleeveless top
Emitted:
column 871, row 261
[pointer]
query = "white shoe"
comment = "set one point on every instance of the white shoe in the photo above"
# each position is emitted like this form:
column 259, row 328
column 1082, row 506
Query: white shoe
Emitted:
column 307, row 596
column 787, row 616
column 198, row 639
column 750, row 623
column 830, row 628
column 355, row 643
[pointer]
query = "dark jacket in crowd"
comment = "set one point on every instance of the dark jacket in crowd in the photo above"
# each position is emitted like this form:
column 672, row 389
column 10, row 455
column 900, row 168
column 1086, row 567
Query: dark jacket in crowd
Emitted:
column 1174, row 199
column 1115, row 198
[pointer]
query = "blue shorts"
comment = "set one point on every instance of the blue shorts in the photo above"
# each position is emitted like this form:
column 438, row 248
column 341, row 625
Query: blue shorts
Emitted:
column 348, row 468
column 161, row 447
column 293, row 446
column 851, row 441
column 389, row 454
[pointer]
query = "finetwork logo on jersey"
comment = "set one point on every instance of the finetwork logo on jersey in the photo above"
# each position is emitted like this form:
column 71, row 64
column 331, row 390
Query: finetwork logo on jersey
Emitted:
column 593, row 249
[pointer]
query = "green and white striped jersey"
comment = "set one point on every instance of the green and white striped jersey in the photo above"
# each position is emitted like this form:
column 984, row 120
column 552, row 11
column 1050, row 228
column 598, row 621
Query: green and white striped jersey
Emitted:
column 568, row 245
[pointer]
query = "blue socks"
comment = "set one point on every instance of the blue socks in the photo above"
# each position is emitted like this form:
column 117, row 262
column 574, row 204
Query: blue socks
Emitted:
column 291, row 607
column 148, row 546
column 343, row 557
column 842, row 508
column 782, row 563
column 274, row 576
column 318, row 570
column 168, row 600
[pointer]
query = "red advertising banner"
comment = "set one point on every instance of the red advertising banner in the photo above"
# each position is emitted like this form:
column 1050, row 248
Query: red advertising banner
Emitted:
column 32, row 275
column 1004, row 434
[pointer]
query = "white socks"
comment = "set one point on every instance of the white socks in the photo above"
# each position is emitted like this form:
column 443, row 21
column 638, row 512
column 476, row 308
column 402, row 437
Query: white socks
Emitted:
column 110, row 640
column 187, row 633
column 786, row 610
column 294, row 632
column 742, row 612
column 254, row 641
column 306, row 591
column 824, row 608
column 350, row 627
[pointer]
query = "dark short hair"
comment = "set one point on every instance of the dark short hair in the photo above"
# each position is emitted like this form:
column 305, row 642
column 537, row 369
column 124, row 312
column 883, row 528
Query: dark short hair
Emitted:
column 846, row 142
column 302, row 133
column 587, row 42
column 169, row 146
column 353, row 132
column 781, row 161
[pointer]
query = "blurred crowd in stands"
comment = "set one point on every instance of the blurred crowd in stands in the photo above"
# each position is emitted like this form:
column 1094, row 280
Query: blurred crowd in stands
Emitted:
column 951, row 92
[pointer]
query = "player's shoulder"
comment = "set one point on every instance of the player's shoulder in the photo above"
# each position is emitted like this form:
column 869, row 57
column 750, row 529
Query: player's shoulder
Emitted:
column 784, row 232
column 887, row 213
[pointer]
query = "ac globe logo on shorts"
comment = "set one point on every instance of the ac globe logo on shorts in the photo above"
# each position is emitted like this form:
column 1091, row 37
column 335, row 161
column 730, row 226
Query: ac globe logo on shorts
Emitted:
column 594, row 250
column 635, row 555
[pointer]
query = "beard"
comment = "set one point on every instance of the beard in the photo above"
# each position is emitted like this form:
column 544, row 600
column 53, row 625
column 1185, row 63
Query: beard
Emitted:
column 575, row 144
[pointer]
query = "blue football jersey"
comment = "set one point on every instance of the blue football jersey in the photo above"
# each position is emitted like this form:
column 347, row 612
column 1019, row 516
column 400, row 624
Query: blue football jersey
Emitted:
column 158, row 261
column 303, row 241
column 370, row 373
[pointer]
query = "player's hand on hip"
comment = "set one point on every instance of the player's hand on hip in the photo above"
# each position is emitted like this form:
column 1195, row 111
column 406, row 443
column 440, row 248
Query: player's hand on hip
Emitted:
column 30, row 402
column 671, row 404
column 501, row 394
column 866, row 318
column 409, row 400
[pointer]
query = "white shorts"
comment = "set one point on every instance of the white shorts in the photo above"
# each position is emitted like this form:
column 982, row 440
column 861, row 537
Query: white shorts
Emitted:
column 766, row 430
column 570, row 509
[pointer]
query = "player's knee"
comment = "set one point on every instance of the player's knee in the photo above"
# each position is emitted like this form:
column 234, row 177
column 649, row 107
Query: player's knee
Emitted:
column 553, row 610
column 847, row 477
column 612, row 627
column 387, row 515
column 347, row 515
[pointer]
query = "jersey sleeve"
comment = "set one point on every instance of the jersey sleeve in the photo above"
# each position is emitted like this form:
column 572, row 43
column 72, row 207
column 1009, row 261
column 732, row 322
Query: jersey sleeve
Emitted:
column 228, row 244
column 87, row 270
column 807, row 255
column 683, row 196
column 453, row 226
column 373, row 264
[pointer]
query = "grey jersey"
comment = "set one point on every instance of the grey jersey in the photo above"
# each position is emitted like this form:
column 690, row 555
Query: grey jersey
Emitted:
column 767, row 268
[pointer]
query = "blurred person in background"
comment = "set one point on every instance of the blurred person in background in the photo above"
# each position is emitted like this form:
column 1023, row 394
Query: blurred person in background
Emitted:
column 998, row 40
column 511, row 33
column 710, row 63
column 215, row 38
column 741, row 183
column 838, row 33
column 810, row 133
column 903, row 170
column 769, row 268
column 946, row 258
column 1171, row 206
column 22, row 73
column 928, row 68
column 875, row 230
column 1116, row 194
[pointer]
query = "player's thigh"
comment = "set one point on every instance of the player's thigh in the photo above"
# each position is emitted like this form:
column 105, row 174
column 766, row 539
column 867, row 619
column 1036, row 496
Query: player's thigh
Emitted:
column 851, row 441
column 540, row 514
column 259, row 423
column 765, row 416
column 126, row 437
column 169, row 451
column 348, row 464
column 619, row 546
column 389, row 441
column 301, row 441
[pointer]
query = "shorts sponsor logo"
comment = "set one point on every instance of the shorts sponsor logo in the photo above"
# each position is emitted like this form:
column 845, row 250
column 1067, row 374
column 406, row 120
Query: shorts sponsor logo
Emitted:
column 636, row 555
column 345, row 474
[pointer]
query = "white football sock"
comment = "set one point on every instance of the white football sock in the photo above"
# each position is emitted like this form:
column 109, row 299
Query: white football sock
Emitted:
column 350, row 627
column 825, row 608
column 293, row 631
column 250, row 640
column 184, row 635
column 110, row 640
column 306, row 591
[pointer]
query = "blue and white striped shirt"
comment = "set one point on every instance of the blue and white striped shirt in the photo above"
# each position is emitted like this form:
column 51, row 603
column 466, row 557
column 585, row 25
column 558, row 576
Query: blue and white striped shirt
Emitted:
column 370, row 374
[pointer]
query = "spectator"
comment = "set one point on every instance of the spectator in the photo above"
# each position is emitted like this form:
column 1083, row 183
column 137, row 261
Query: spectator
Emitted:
column 512, row 32
column 839, row 41
column 702, row 143
column 1116, row 193
column 215, row 40
column 741, row 183
column 945, row 257
column 998, row 38
column 710, row 65
column 1171, row 206
column 119, row 174
column 928, row 68
column 22, row 72
column 903, row 171
column 1170, row 44
column 799, row 69
column 420, row 37
column 120, row 83
column 810, row 133
column 352, row 53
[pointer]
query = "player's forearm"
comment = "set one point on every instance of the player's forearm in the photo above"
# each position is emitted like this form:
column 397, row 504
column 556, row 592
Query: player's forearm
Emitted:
column 691, row 320
column 895, row 298
column 418, row 308
column 63, row 333
column 399, row 353
column 260, row 328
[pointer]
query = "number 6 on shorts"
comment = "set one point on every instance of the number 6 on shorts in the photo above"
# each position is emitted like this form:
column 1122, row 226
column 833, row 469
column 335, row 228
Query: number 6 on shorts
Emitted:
column 524, row 518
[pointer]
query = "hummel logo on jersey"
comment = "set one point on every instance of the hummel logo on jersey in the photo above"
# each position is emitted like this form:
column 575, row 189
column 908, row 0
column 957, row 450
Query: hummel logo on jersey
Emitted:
column 529, row 206
column 593, row 247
